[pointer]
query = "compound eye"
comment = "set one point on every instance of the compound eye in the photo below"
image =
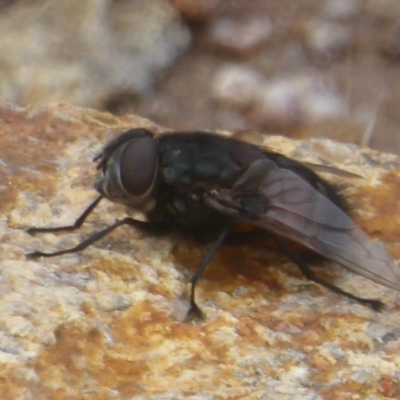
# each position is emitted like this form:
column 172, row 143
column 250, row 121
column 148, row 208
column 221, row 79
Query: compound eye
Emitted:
column 138, row 165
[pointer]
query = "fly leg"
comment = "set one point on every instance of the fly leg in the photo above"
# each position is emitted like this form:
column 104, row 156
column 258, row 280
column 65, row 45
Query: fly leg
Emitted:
column 194, row 309
column 76, row 225
column 309, row 274
column 152, row 227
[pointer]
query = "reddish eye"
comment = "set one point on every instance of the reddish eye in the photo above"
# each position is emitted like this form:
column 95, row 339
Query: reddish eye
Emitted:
column 138, row 165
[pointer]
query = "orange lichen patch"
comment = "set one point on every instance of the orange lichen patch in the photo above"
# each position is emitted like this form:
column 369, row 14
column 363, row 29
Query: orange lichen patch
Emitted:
column 81, row 352
column 30, row 152
column 135, row 360
column 119, row 358
column 122, row 270
column 384, row 198
column 388, row 387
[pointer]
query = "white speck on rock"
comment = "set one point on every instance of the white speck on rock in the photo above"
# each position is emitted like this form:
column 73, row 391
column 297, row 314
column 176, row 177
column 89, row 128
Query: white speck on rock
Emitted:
column 19, row 326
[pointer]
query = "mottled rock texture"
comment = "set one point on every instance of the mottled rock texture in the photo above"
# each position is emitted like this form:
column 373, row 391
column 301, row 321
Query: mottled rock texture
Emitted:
column 108, row 323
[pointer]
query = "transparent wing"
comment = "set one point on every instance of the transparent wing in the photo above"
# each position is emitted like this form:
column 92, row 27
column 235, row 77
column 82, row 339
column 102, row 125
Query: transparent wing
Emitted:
column 280, row 201
column 257, row 139
column 330, row 170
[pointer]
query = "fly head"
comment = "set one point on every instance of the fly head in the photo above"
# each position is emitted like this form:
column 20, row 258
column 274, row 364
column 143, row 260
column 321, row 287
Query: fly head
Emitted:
column 127, row 169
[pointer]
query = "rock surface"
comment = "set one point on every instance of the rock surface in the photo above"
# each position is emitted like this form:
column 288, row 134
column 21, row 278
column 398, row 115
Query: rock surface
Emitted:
column 108, row 323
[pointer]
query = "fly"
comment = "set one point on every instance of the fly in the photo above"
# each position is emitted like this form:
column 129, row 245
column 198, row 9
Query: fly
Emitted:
column 204, row 184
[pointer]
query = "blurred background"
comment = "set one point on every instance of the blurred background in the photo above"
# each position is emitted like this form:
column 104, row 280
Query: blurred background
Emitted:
column 301, row 68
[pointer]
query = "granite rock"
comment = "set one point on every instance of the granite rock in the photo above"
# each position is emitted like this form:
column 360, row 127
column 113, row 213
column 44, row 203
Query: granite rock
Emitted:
column 107, row 323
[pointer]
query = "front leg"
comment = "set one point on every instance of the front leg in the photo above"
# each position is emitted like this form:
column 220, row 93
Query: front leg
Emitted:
column 76, row 225
column 149, row 227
